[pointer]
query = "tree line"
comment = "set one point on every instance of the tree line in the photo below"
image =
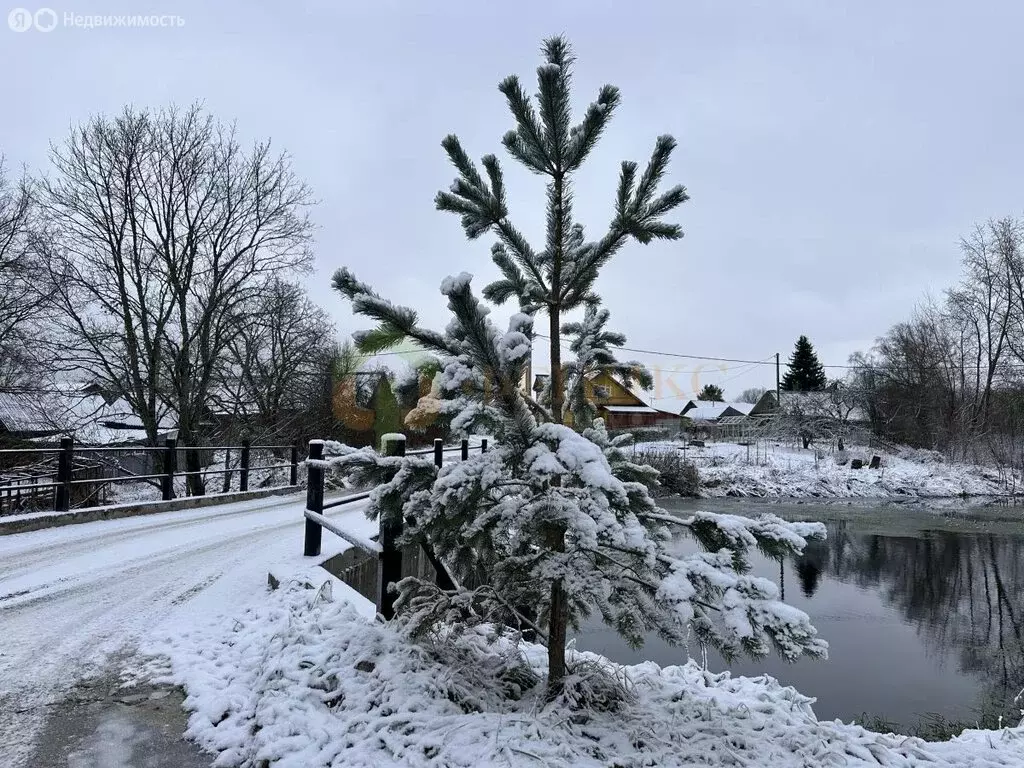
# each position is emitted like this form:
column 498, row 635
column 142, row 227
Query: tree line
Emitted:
column 951, row 376
column 157, row 260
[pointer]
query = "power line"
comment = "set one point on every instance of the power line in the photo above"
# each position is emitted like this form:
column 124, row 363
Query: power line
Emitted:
column 771, row 361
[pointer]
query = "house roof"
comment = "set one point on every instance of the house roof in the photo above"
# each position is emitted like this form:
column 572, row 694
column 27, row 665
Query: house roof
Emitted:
column 27, row 413
column 827, row 403
column 708, row 411
column 89, row 416
column 96, row 421
column 629, row 409
column 673, row 405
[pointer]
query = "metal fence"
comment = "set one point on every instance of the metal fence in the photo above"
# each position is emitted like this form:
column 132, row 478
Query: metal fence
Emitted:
column 381, row 553
column 60, row 478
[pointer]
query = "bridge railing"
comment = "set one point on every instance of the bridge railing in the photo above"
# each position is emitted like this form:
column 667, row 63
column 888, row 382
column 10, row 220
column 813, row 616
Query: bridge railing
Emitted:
column 71, row 475
column 384, row 545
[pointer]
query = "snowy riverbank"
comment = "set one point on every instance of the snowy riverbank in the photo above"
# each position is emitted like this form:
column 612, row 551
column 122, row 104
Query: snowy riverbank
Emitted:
column 778, row 471
column 305, row 680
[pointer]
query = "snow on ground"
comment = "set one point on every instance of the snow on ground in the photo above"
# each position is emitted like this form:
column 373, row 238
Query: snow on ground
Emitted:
column 781, row 471
column 301, row 681
column 72, row 598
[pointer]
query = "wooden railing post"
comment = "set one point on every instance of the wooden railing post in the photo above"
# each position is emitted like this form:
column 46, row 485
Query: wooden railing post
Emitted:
column 314, row 499
column 390, row 570
column 243, row 475
column 483, row 445
column 62, row 498
column 438, row 452
column 465, row 449
column 170, row 467
column 294, row 479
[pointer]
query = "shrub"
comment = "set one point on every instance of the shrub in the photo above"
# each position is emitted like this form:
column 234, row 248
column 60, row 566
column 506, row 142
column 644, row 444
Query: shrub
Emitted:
column 676, row 476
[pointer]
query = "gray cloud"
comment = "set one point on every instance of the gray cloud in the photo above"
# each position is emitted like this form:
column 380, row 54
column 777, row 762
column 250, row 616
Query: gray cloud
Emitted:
column 834, row 152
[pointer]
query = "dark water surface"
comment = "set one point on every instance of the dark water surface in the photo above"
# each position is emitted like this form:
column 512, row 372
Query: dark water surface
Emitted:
column 923, row 609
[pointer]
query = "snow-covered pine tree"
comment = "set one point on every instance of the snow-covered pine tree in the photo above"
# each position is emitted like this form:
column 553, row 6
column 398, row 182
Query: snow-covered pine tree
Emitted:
column 560, row 277
column 491, row 514
column 592, row 346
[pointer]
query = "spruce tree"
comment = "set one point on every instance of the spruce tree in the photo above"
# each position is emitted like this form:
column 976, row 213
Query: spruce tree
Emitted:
column 561, row 276
column 805, row 373
column 712, row 393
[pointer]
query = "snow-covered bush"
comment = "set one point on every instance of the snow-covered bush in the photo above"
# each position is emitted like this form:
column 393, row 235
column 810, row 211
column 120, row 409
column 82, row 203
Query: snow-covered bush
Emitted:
column 920, row 455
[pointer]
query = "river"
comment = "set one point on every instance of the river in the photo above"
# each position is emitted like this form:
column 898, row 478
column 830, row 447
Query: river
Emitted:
column 922, row 605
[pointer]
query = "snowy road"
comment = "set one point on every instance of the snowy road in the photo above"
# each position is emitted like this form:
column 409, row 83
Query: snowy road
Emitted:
column 72, row 597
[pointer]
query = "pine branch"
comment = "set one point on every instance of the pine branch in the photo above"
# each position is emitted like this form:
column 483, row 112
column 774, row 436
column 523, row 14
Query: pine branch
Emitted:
column 559, row 221
column 521, row 251
column 396, row 322
column 526, row 143
column 585, row 135
column 478, row 205
column 514, row 284
column 654, row 172
column 553, row 79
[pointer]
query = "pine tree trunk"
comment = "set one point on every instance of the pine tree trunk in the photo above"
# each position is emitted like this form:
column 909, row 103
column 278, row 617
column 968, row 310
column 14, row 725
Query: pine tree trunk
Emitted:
column 557, row 619
column 557, row 390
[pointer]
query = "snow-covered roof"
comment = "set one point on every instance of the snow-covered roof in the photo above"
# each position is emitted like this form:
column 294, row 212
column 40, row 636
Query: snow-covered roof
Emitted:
column 829, row 403
column 89, row 417
column 26, row 413
column 629, row 409
column 98, row 422
column 669, row 404
column 706, row 411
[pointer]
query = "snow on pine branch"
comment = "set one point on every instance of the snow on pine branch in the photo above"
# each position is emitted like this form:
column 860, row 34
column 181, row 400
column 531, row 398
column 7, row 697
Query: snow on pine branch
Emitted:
column 491, row 518
column 738, row 532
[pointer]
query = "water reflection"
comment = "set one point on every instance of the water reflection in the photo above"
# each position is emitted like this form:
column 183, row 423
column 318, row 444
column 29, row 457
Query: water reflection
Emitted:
column 810, row 565
column 963, row 592
column 919, row 620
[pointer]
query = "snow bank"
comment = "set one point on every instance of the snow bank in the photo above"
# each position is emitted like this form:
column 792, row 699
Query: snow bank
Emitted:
column 301, row 681
column 728, row 469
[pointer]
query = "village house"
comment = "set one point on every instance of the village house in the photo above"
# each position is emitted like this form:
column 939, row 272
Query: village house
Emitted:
column 619, row 406
column 91, row 416
column 830, row 413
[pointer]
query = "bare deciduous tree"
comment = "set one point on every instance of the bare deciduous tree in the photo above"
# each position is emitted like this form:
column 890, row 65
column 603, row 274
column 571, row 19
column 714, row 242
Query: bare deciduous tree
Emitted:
column 161, row 227
column 272, row 369
column 751, row 395
column 20, row 301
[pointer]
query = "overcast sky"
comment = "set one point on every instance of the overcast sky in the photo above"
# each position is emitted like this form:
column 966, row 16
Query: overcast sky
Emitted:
column 834, row 151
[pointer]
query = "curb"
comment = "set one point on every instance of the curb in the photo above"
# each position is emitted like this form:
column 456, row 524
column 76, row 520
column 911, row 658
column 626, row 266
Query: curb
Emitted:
column 114, row 512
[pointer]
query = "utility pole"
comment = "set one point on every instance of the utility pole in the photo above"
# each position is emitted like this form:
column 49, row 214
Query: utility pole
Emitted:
column 778, row 398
